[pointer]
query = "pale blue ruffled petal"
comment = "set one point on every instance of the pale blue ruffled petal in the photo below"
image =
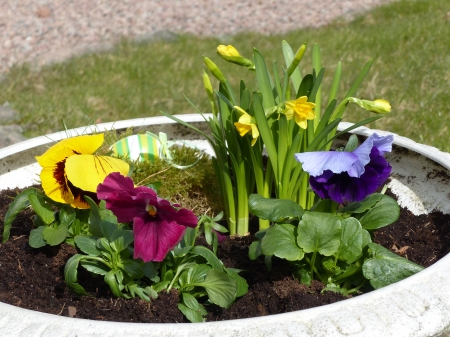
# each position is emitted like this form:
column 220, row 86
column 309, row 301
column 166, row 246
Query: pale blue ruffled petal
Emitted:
column 336, row 161
column 383, row 143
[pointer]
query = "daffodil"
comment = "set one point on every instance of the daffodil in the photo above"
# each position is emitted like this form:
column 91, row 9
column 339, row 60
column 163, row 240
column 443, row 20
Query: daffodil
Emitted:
column 245, row 124
column 231, row 54
column 227, row 50
column 301, row 110
column 70, row 170
column 380, row 106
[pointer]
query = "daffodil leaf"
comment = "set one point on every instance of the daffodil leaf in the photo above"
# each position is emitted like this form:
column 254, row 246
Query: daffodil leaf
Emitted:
column 36, row 240
column 319, row 232
column 55, row 235
column 385, row 267
column 274, row 209
column 71, row 274
column 42, row 208
column 21, row 201
column 280, row 241
column 220, row 287
column 305, row 86
column 385, row 212
column 87, row 245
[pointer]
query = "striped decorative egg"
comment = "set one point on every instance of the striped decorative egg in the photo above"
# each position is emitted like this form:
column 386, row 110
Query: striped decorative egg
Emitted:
column 137, row 147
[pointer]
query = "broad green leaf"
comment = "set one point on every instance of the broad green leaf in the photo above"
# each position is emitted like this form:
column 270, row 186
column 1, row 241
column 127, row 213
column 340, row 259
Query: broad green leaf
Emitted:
column 160, row 286
column 180, row 252
column 42, row 208
column 384, row 213
column 241, row 283
column 194, row 316
column 274, row 209
column 351, row 240
column 319, row 232
column 121, row 239
column 107, row 228
column 94, row 217
column 133, row 268
column 209, row 256
column 197, row 274
column 106, row 214
column 87, row 245
column 220, row 287
column 20, row 202
column 150, row 271
column 95, row 267
column 55, row 235
column 190, row 301
column 36, row 240
column 385, row 267
column 280, row 241
column 189, row 237
column 363, row 205
column 71, row 274
column 254, row 250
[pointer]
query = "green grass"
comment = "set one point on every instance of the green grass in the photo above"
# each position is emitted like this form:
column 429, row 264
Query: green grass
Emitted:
column 408, row 40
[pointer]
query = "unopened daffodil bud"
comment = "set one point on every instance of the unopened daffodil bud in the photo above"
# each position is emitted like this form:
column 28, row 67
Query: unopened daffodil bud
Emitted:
column 214, row 69
column 297, row 58
column 209, row 91
column 230, row 54
column 380, row 106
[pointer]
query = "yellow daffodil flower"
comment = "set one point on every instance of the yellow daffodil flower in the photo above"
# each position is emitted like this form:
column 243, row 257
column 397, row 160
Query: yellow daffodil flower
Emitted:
column 301, row 110
column 227, row 50
column 245, row 124
column 380, row 106
column 70, row 170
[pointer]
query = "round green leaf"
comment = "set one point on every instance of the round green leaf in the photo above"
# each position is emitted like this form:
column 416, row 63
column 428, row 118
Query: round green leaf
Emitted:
column 280, row 241
column 384, row 213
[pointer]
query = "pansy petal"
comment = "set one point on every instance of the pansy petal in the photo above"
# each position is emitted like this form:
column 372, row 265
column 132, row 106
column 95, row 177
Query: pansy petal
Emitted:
column 114, row 182
column 316, row 162
column 54, row 184
column 87, row 171
column 153, row 240
column 182, row 216
column 383, row 143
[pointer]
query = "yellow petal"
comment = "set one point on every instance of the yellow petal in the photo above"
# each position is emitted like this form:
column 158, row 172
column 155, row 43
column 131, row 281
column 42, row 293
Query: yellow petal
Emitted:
column 86, row 144
column 242, row 128
column 54, row 183
column 87, row 171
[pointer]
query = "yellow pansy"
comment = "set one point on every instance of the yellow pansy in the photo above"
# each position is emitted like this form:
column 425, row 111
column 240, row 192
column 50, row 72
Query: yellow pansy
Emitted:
column 227, row 50
column 301, row 110
column 70, row 170
column 245, row 124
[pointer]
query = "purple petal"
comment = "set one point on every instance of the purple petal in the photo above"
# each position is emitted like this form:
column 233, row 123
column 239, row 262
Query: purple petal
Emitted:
column 383, row 143
column 316, row 162
column 183, row 216
column 154, row 239
column 113, row 183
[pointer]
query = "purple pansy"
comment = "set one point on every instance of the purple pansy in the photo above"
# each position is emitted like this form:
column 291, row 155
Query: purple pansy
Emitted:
column 157, row 224
column 348, row 176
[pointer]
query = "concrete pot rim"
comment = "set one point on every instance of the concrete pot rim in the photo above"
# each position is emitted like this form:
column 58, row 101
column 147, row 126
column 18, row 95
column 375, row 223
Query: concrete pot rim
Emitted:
column 419, row 305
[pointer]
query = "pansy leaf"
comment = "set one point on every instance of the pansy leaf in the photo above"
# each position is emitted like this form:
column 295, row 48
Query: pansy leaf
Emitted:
column 351, row 240
column 121, row 239
column 71, row 274
column 87, row 245
column 55, row 235
column 254, row 250
column 280, row 241
column 150, row 271
column 114, row 279
column 36, row 240
column 363, row 205
column 241, row 283
column 220, row 287
column 209, row 256
column 20, row 202
column 197, row 274
column 319, row 232
column 66, row 215
column 385, row 267
column 94, row 217
column 133, row 269
column 42, row 208
column 193, row 315
column 95, row 267
column 274, row 209
column 384, row 213
column 107, row 228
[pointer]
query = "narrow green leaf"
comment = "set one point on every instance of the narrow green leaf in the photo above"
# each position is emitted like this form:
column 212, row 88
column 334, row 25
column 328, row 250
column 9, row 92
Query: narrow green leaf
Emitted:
column 87, row 245
column 71, row 274
column 288, row 55
column 305, row 86
column 42, row 208
column 121, row 239
column 263, row 79
column 95, row 267
column 94, row 217
column 359, row 79
column 280, row 240
column 113, row 279
column 336, row 82
column 385, row 267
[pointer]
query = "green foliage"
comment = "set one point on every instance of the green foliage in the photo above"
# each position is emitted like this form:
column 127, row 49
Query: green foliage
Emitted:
column 335, row 248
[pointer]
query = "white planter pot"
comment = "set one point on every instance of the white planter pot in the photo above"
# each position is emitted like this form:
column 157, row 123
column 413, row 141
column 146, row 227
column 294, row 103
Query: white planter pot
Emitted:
column 417, row 306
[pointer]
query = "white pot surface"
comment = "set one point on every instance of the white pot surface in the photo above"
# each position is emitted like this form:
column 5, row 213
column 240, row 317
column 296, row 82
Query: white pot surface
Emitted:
column 416, row 306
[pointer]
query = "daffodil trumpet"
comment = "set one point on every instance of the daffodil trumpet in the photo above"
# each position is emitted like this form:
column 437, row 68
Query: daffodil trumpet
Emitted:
column 71, row 170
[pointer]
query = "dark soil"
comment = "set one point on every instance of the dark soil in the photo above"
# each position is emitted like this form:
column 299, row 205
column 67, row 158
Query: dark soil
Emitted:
column 33, row 278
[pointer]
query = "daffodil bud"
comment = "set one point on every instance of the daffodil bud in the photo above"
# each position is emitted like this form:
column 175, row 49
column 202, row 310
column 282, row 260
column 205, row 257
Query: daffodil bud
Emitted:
column 380, row 106
column 209, row 91
column 230, row 54
column 297, row 58
column 214, row 69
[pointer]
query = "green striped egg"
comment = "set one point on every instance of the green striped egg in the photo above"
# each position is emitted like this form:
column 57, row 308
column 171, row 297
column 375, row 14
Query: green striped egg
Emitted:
column 137, row 147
